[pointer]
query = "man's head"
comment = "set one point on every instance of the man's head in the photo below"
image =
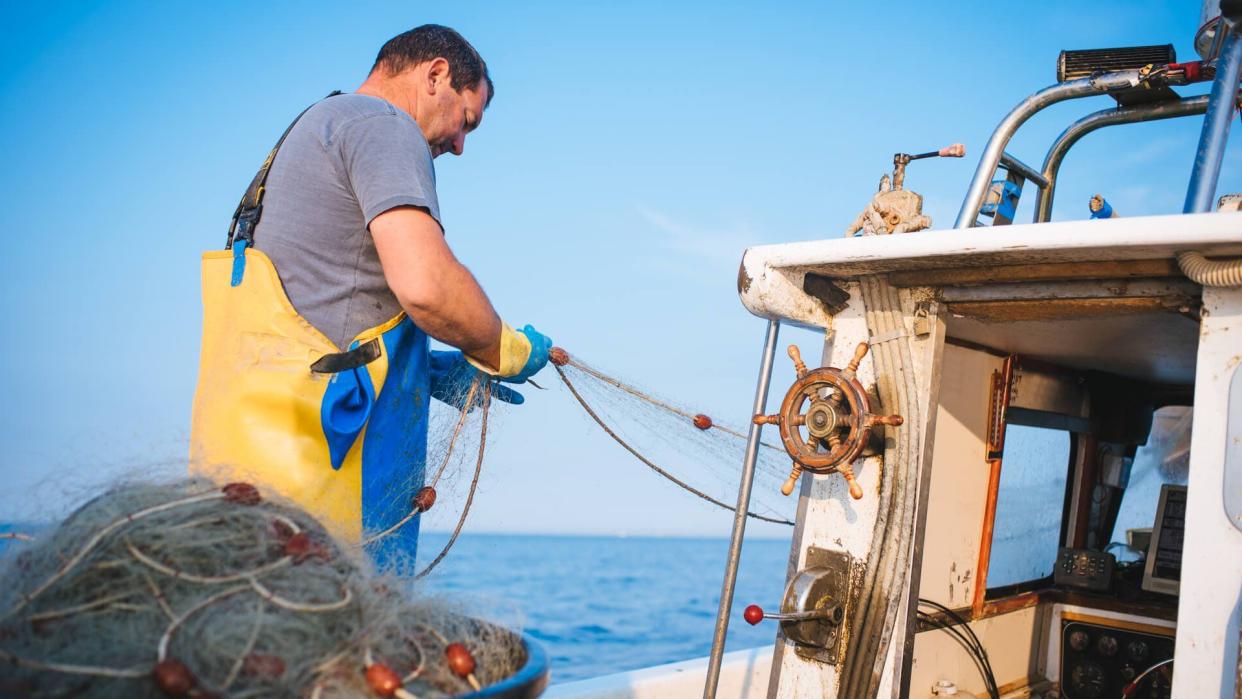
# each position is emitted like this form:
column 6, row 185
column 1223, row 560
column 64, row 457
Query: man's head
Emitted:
column 436, row 76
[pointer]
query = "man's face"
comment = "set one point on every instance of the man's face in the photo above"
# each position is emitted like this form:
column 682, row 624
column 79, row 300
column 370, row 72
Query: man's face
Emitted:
column 452, row 115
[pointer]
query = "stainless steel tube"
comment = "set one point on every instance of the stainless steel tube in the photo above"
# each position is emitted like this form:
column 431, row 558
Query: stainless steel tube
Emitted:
column 1152, row 111
column 1082, row 87
column 1011, row 162
column 1222, row 102
column 739, row 519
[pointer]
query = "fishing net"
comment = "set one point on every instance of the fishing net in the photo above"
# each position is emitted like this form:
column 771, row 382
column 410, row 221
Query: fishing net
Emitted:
column 696, row 451
column 456, row 449
column 193, row 589
column 190, row 589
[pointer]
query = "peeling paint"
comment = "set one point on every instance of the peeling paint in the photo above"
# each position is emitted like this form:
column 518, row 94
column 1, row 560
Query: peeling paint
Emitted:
column 743, row 278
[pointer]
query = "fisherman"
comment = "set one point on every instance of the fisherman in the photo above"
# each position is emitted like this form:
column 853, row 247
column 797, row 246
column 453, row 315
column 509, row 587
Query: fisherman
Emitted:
column 315, row 374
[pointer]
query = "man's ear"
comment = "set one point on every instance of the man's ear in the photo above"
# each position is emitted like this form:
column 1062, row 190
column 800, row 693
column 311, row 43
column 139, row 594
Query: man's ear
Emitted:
column 438, row 75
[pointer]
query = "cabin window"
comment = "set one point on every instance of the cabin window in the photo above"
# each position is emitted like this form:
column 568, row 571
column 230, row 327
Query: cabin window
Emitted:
column 1165, row 458
column 1029, row 505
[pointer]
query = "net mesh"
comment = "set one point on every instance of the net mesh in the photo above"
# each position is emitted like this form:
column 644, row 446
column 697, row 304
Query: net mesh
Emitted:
column 696, row 451
column 190, row 589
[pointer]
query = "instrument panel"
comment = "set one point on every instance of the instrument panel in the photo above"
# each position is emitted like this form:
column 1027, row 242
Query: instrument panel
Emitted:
column 1100, row 659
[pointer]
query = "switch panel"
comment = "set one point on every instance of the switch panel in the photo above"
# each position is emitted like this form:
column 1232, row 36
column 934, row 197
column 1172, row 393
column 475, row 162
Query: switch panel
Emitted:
column 1084, row 569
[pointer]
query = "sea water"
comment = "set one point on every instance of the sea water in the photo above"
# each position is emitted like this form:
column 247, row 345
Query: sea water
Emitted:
column 607, row 604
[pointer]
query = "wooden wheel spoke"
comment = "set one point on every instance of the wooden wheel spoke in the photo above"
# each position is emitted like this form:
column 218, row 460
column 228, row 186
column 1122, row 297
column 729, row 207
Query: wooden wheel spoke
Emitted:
column 796, row 356
column 890, row 420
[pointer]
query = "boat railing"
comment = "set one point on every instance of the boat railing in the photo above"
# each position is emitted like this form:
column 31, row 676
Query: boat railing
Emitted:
column 1218, row 106
column 1101, row 84
column 1152, row 111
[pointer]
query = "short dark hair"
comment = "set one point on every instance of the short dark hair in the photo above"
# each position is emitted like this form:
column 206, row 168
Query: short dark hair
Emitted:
column 429, row 42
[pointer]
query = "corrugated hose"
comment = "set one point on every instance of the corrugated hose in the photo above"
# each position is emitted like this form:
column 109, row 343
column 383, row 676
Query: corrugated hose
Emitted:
column 1201, row 270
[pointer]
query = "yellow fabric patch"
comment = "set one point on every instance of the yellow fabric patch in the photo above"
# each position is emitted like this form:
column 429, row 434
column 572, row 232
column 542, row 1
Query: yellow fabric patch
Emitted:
column 514, row 352
column 256, row 415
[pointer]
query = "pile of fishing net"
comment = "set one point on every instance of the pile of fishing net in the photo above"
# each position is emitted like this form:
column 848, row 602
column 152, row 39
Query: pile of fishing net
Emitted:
column 191, row 589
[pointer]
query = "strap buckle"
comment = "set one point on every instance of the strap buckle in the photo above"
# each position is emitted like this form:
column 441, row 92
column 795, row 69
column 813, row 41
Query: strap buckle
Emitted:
column 244, row 222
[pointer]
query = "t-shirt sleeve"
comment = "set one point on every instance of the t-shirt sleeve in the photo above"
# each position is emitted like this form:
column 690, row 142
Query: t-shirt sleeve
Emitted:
column 388, row 164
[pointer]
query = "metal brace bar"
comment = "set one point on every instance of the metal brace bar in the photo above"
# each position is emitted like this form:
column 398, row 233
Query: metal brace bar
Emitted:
column 743, row 506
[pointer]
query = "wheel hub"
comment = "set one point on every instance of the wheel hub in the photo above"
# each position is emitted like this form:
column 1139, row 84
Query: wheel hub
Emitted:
column 821, row 419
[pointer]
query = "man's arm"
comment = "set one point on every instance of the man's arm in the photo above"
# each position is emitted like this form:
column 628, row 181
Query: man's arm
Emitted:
column 439, row 294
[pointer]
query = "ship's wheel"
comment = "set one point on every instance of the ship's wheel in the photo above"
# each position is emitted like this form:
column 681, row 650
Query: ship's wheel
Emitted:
column 826, row 420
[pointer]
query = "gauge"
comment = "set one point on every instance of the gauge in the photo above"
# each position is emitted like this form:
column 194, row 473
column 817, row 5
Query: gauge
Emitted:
column 1137, row 650
column 1078, row 640
column 1087, row 680
column 1106, row 646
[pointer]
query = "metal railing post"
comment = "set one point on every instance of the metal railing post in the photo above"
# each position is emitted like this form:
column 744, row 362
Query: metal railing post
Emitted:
column 739, row 519
column 1097, row 120
column 1222, row 102
column 1072, row 89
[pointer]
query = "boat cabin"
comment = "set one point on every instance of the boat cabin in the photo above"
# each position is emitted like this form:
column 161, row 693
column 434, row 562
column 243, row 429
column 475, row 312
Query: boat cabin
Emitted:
column 1018, row 459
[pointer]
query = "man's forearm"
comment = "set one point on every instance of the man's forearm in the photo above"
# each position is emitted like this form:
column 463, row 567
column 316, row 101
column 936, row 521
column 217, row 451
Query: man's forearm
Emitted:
column 439, row 294
column 461, row 316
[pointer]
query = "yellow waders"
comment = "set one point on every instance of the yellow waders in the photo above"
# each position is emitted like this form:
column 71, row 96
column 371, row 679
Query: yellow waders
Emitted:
column 341, row 433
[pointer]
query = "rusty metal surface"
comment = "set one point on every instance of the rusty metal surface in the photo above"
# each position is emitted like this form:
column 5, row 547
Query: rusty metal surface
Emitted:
column 1001, row 391
column 1062, row 309
column 1057, row 271
column 1072, row 289
column 827, row 580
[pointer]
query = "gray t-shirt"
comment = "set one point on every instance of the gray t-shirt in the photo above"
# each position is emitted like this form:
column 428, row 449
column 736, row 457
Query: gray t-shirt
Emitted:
column 347, row 160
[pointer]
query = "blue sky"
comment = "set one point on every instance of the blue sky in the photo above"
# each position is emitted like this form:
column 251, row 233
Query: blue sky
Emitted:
column 632, row 152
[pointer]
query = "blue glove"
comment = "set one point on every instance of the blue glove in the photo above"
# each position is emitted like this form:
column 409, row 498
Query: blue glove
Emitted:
column 538, row 359
column 451, row 377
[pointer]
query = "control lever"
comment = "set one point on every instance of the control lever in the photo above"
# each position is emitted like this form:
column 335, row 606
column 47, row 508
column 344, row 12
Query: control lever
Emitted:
column 814, row 607
column 833, row 614
column 900, row 160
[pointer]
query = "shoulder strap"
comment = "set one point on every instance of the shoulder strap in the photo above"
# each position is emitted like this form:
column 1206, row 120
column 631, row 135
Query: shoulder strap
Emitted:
column 246, row 217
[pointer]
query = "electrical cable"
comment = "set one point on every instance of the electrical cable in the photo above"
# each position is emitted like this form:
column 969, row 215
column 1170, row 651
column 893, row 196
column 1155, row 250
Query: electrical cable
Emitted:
column 1131, row 688
column 965, row 642
column 983, row 654
column 969, row 640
